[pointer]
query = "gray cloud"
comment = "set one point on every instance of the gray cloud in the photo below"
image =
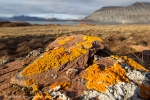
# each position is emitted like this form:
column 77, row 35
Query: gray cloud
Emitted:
column 72, row 7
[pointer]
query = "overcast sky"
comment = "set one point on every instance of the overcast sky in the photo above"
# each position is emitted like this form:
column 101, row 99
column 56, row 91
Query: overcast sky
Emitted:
column 58, row 8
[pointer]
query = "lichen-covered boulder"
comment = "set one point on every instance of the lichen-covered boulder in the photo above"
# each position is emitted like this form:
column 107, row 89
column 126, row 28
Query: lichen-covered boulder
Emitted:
column 80, row 67
column 67, row 52
column 117, row 77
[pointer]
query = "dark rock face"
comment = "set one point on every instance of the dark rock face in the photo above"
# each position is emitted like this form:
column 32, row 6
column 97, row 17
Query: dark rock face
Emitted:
column 135, row 13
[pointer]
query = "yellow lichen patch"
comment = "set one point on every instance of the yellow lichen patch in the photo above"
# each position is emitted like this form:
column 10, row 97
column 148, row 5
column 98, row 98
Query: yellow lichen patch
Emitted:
column 63, row 40
column 85, row 44
column 130, row 62
column 91, row 38
column 60, row 38
column 59, row 55
column 76, row 51
column 44, row 96
column 88, row 40
column 29, row 82
column 99, row 79
column 120, row 59
column 135, row 65
column 53, row 59
column 32, row 83
column 63, row 85
column 35, row 87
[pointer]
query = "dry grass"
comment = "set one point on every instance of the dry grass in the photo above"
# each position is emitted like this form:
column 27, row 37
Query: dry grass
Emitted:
column 19, row 41
column 13, row 24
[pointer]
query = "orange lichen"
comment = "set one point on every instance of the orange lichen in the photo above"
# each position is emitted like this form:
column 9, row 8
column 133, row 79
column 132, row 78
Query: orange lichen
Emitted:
column 135, row 65
column 99, row 79
column 35, row 87
column 85, row 44
column 130, row 62
column 91, row 38
column 88, row 40
column 29, row 82
column 53, row 59
column 44, row 96
column 32, row 83
column 63, row 40
column 63, row 85
column 59, row 55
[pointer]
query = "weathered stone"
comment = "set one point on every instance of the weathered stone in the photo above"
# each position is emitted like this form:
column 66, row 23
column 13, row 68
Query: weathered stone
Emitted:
column 69, row 70
column 71, row 73
column 72, row 67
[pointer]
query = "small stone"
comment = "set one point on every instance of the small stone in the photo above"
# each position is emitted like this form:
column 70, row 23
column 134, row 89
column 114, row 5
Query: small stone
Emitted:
column 54, row 76
column 24, row 88
column 96, row 57
column 71, row 73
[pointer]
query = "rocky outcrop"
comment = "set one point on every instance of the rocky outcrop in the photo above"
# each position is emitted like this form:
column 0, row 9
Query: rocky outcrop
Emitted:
column 135, row 13
column 77, row 67
column 63, row 61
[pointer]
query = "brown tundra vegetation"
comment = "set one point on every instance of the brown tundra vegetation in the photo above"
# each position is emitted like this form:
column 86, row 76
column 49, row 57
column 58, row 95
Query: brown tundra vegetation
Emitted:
column 17, row 42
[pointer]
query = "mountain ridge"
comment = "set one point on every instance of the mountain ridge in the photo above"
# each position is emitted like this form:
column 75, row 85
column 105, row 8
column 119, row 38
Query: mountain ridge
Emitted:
column 137, row 12
column 1, row 19
column 27, row 18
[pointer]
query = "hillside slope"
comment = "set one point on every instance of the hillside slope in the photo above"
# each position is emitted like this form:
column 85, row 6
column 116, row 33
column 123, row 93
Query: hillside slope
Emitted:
column 135, row 13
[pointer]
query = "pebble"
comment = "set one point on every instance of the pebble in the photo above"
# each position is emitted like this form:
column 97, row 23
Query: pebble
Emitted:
column 59, row 95
column 54, row 76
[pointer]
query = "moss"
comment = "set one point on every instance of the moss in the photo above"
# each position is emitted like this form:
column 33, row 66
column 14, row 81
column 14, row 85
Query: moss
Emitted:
column 99, row 79
column 63, row 85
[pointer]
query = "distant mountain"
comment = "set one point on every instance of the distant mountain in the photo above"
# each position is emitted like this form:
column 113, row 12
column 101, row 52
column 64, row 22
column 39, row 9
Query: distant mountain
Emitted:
column 1, row 19
column 51, row 19
column 26, row 18
column 138, row 12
